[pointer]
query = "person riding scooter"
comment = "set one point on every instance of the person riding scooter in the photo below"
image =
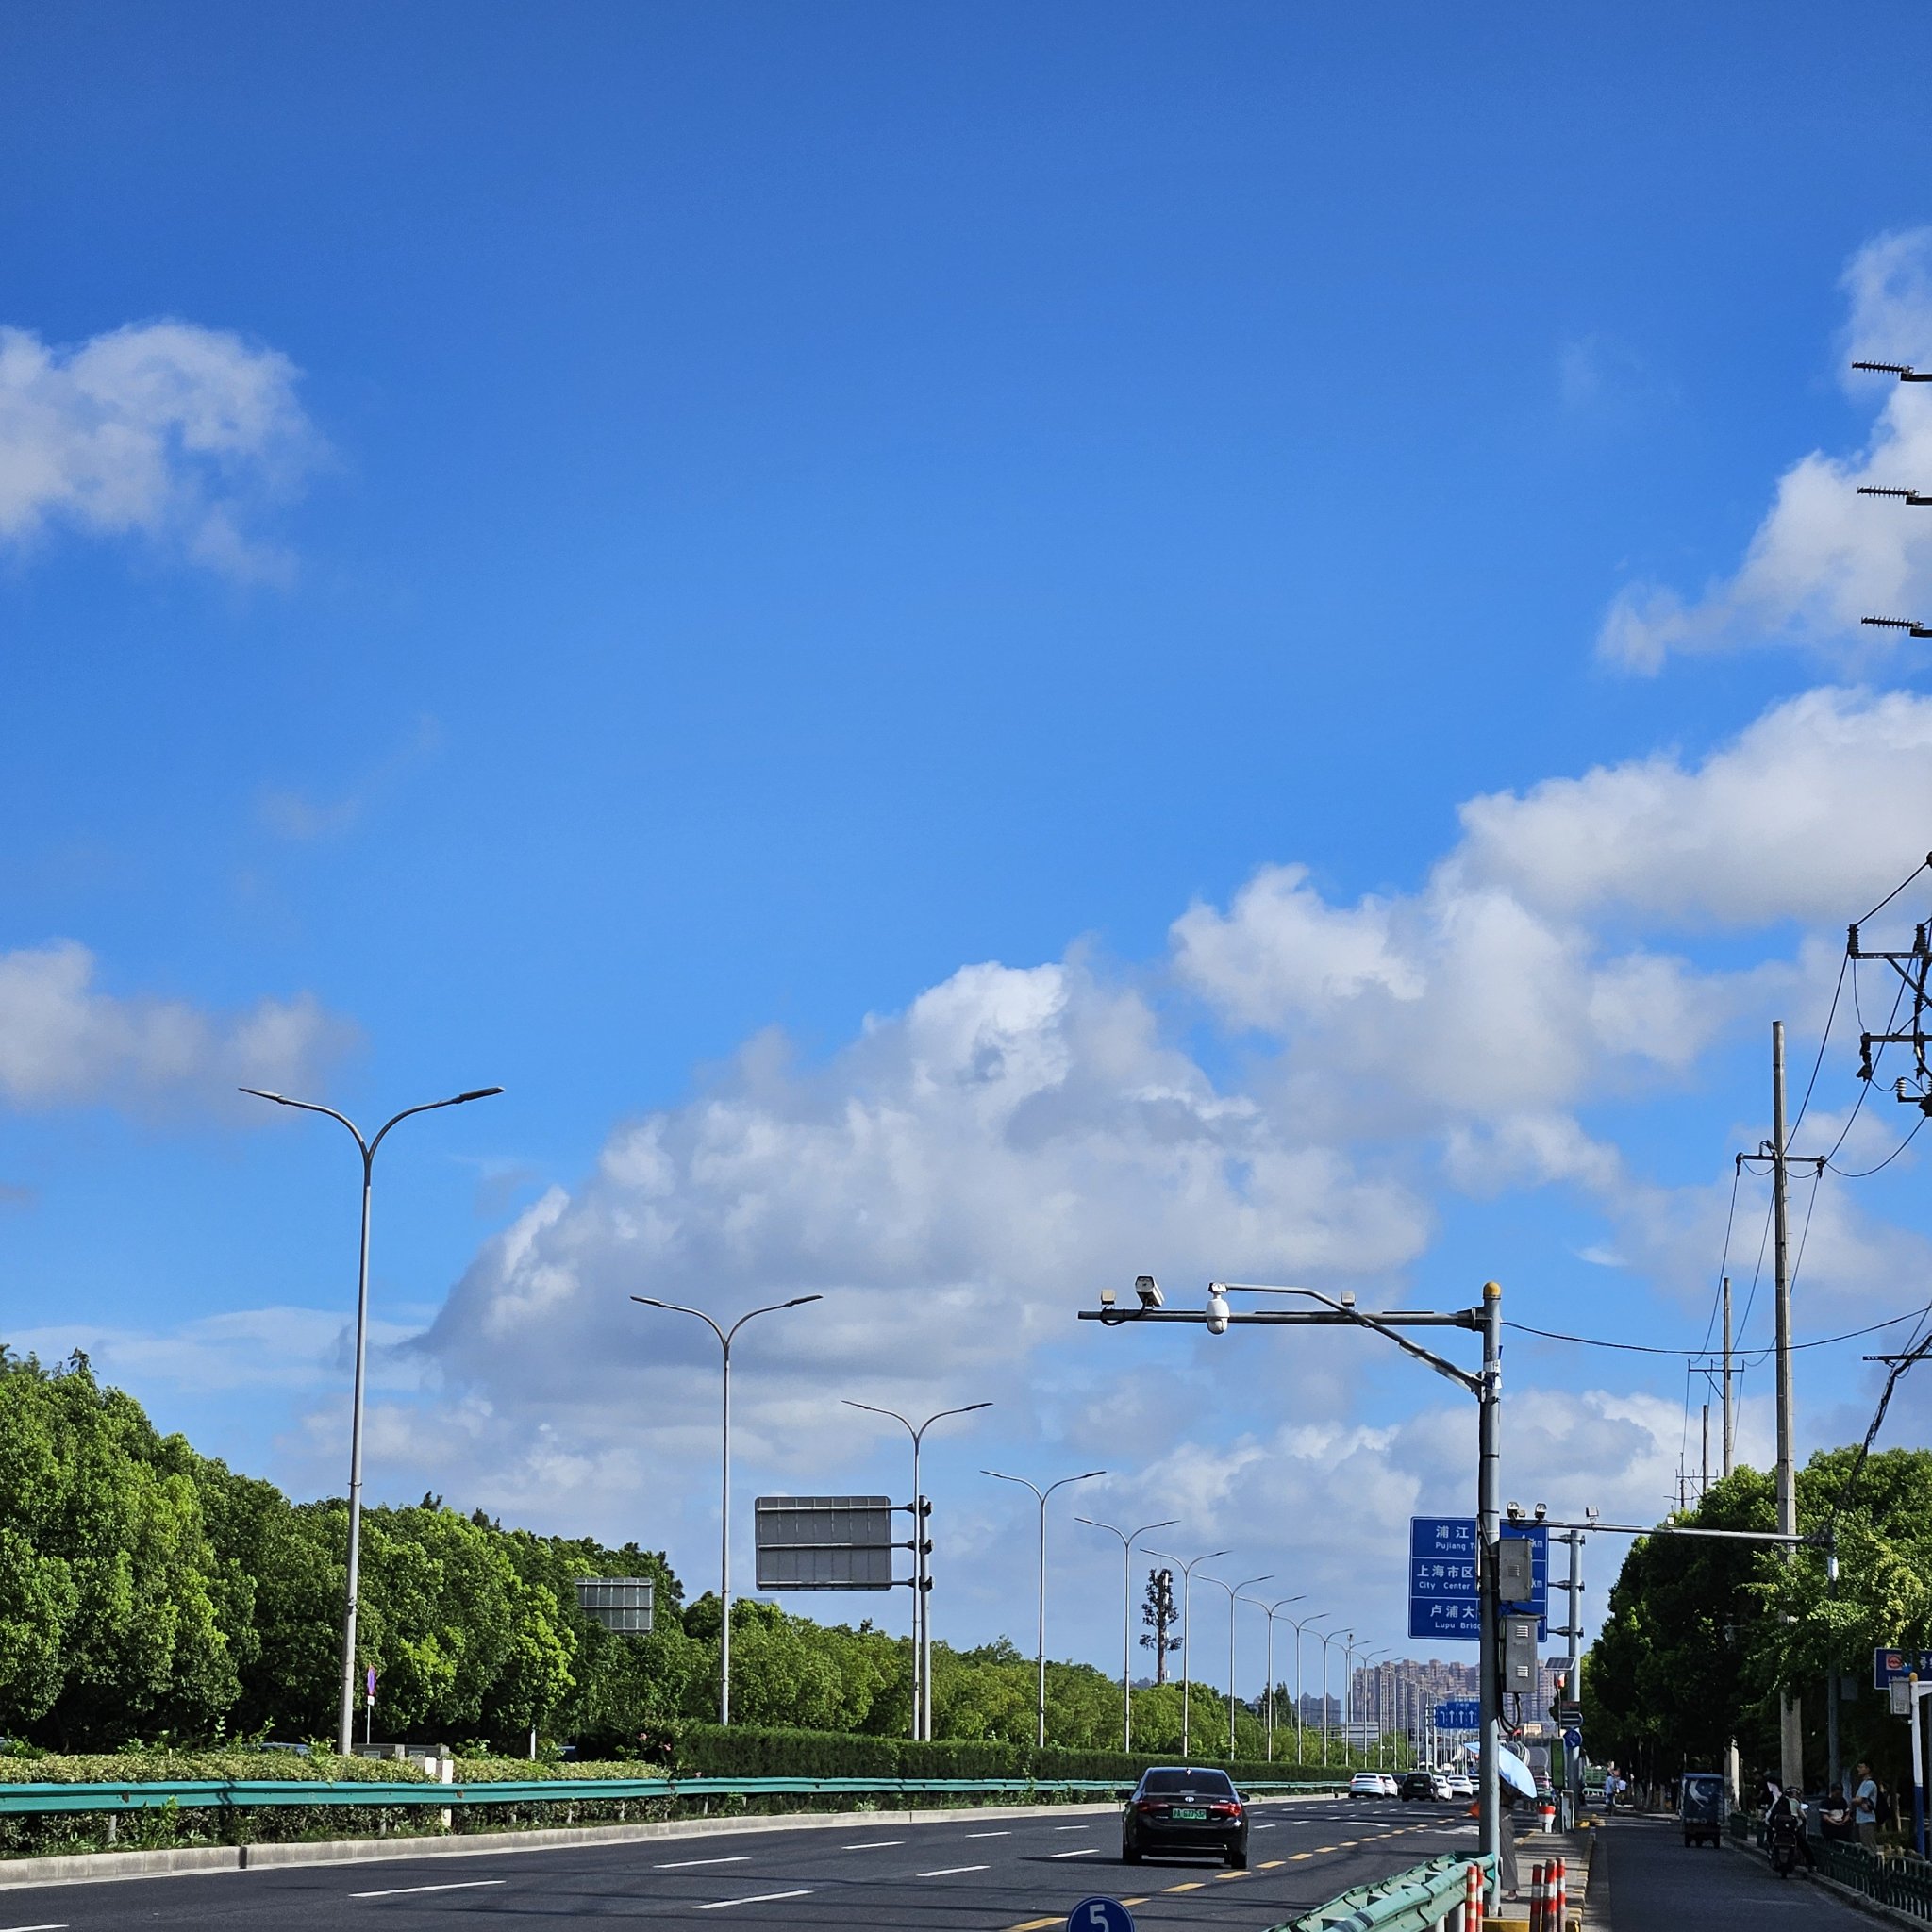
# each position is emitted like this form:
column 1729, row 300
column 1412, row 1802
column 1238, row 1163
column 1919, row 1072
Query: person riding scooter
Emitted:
column 1784, row 1841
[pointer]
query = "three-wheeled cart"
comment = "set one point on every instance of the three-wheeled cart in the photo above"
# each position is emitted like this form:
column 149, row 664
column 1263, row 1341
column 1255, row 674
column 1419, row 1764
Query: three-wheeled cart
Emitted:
column 1701, row 1807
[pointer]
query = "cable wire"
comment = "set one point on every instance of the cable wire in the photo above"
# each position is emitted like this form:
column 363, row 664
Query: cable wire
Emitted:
column 1694, row 1354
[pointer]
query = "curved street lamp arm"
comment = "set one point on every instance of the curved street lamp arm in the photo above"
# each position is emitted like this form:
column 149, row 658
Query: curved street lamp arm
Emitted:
column 315, row 1106
column 677, row 1308
column 797, row 1301
column 970, row 1408
column 872, row 1409
column 1084, row 1476
column 429, row 1107
column 1001, row 1476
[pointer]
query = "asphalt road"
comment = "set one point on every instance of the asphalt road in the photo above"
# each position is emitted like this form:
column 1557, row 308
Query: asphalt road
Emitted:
column 1658, row 1886
column 991, row 1876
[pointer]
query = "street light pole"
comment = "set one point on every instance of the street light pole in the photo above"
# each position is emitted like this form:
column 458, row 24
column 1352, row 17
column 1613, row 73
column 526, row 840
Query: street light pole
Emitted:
column 1233, row 1591
column 922, row 1622
column 1086, row 1476
column 1186, row 1597
column 1300, row 1749
column 1337, row 1311
column 345, row 1717
column 725, row 1337
column 1268, row 1723
column 1328, row 1637
column 1127, row 1542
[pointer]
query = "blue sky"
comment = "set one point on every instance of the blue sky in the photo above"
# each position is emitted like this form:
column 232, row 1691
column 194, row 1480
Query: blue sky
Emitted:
column 737, row 570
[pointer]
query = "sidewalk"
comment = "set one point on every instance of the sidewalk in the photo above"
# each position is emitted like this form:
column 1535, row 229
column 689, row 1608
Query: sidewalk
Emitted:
column 1659, row 1886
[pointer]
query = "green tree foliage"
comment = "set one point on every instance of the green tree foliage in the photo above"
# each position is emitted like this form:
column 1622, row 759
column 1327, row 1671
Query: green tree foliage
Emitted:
column 1703, row 1637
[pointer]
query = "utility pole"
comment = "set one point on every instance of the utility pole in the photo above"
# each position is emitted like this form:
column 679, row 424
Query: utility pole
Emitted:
column 1730, row 1428
column 1704, row 1479
column 1790, row 1723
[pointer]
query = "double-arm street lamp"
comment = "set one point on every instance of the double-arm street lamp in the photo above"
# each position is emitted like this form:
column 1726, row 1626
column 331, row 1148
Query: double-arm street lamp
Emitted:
column 1273, row 1611
column 1128, row 1539
column 1234, row 1590
column 1328, row 1637
column 725, row 1337
column 346, row 1717
column 1086, row 1476
column 1186, row 1680
column 921, row 1617
column 1485, row 1385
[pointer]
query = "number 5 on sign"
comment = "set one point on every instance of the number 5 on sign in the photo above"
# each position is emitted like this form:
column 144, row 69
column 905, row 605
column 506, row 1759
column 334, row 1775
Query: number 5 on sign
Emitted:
column 1100, row 1915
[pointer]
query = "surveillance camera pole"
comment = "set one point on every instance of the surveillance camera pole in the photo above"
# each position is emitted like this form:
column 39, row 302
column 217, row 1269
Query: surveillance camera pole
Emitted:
column 1487, row 1386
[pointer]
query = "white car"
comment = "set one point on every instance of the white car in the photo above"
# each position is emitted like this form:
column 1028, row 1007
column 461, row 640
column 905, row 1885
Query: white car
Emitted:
column 1461, row 1785
column 1366, row 1784
column 1389, row 1788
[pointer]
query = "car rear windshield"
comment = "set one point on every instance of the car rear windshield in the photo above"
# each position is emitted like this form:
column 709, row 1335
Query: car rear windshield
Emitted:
column 1208, row 1783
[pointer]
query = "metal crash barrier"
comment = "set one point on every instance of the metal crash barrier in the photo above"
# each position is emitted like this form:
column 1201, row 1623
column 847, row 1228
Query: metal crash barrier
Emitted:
column 1445, row 1894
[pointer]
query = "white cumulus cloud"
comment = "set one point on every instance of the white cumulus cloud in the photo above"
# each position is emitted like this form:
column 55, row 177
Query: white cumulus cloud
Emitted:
column 162, row 430
column 1824, row 558
column 64, row 1042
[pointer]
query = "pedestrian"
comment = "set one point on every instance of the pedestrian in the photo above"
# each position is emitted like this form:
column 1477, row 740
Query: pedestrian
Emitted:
column 1865, row 1806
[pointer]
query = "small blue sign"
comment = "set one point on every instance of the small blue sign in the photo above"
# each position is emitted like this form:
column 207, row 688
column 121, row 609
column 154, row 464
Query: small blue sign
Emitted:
column 1443, row 1602
column 1889, row 1666
column 1100, row 1915
column 1573, row 1738
column 1459, row 1714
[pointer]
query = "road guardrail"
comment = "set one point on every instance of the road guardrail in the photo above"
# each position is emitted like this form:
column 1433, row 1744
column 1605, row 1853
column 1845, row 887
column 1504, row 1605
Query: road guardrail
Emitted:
column 243, row 1793
column 1420, row 1899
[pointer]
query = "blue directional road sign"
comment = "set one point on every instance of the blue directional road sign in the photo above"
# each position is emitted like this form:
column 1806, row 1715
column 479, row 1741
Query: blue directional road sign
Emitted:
column 1573, row 1738
column 1892, row 1666
column 1100, row 1915
column 1443, row 1599
column 1459, row 1714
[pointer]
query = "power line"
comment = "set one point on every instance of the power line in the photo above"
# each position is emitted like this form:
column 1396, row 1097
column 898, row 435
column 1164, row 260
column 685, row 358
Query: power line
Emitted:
column 1695, row 1353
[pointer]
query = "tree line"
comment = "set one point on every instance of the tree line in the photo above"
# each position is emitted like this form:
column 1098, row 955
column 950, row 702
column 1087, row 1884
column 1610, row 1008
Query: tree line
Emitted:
column 1702, row 1637
column 149, row 1593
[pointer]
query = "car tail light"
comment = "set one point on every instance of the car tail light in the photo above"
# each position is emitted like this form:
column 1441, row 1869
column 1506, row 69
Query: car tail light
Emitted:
column 1224, row 1810
column 1145, row 1805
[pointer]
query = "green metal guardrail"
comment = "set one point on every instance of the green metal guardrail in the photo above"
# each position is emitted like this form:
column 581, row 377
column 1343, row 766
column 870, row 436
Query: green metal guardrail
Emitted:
column 1897, row 1880
column 204, row 1794
column 1412, row 1901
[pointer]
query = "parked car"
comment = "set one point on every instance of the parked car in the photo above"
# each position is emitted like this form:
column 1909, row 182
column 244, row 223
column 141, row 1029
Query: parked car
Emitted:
column 1177, row 1808
column 1366, row 1784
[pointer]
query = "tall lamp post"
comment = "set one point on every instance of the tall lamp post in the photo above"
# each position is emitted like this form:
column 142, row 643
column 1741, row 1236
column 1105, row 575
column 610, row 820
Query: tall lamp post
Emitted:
column 1234, row 1590
column 1086, row 1476
column 1300, row 1748
column 922, row 1620
column 1127, row 1541
column 346, row 1712
column 1267, row 1718
column 1328, row 1637
column 725, row 1337
column 1485, row 1385
column 1187, row 1681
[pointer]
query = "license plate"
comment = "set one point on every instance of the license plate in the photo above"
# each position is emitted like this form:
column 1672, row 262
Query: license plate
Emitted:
column 1190, row 1815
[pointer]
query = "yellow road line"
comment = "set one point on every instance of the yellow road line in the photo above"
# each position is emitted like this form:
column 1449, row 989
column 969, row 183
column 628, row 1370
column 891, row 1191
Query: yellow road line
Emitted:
column 1269, row 1864
column 1194, row 1886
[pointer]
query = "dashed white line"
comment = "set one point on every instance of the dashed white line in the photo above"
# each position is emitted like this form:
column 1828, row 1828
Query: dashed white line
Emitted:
column 686, row 1864
column 404, row 1891
column 1073, row 1827
column 954, row 1871
column 757, row 1898
column 874, row 1844
column 50, row 1926
column 1084, row 1852
column 989, row 1834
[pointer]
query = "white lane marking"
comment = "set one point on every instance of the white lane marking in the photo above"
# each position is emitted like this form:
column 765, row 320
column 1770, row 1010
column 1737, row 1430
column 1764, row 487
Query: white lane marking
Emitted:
column 874, row 1844
column 757, row 1898
column 1084, row 1852
column 686, row 1864
column 51, row 1927
column 1073, row 1827
column 1264, row 1828
column 404, row 1891
column 954, row 1871
column 989, row 1834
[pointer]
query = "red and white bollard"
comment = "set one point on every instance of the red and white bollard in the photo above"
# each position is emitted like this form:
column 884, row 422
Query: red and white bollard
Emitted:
column 1539, row 1898
column 1472, row 1900
column 1560, row 1896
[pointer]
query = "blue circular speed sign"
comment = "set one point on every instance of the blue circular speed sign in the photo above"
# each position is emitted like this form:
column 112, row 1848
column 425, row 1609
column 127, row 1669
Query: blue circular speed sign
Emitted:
column 1100, row 1915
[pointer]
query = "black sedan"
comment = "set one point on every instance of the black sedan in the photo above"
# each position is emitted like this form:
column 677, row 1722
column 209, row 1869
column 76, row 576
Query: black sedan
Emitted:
column 1180, row 1809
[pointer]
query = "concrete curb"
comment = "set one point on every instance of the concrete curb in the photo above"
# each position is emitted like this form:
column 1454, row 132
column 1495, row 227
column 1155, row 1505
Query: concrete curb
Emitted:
column 95, row 1868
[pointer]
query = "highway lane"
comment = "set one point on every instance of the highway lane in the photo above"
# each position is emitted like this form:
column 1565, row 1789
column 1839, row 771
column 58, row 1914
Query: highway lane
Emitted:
column 963, row 1875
